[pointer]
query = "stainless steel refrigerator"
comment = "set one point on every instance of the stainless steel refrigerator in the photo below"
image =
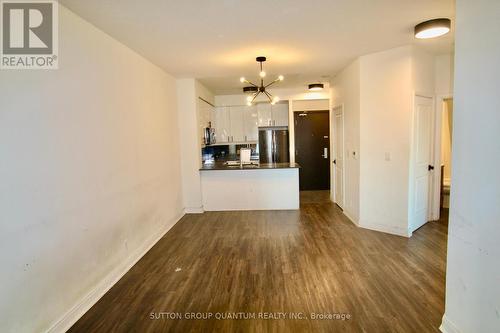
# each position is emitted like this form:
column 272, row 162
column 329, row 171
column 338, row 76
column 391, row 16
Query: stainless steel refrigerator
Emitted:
column 273, row 145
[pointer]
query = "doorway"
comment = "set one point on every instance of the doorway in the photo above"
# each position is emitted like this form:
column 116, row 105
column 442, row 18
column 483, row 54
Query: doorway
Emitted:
column 444, row 138
column 431, row 160
column 338, row 156
column 312, row 149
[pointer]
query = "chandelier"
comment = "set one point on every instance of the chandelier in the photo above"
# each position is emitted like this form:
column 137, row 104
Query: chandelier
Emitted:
column 256, row 90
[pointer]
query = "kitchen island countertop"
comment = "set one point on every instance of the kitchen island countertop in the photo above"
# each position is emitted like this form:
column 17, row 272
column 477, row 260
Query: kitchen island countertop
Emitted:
column 261, row 166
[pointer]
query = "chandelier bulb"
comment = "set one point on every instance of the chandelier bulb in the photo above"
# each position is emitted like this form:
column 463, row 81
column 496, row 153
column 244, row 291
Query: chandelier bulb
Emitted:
column 262, row 74
column 281, row 77
column 242, row 79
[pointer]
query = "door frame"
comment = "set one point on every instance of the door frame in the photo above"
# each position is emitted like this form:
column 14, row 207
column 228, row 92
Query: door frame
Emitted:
column 436, row 182
column 333, row 154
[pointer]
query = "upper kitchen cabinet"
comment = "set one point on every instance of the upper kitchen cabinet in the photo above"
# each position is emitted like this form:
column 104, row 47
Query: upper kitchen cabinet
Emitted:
column 222, row 124
column 235, row 124
column 265, row 114
column 280, row 114
column 251, row 123
column 237, row 118
column 273, row 115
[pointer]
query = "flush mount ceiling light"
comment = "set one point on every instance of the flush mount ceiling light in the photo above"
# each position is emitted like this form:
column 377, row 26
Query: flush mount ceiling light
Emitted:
column 316, row 86
column 256, row 90
column 250, row 89
column 432, row 28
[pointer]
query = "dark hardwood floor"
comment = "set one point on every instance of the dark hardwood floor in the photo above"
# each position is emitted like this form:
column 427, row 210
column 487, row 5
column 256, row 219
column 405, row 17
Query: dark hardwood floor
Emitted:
column 308, row 261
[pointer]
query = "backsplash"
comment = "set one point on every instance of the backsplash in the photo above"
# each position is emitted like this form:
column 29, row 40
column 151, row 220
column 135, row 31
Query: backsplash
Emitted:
column 227, row 152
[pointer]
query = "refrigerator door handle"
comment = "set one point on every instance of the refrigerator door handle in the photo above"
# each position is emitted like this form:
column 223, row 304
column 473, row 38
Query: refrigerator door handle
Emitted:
column 275, row 148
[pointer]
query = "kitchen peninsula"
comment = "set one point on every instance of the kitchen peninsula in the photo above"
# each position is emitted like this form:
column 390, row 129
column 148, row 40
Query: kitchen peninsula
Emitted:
column 264, row 186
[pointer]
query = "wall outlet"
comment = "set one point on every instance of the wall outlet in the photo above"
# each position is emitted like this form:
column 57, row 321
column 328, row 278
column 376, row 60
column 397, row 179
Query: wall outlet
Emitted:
column 387, row 156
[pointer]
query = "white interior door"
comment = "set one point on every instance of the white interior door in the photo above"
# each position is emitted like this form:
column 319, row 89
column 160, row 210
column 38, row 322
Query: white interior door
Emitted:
column 338, row 160
column 421, row 167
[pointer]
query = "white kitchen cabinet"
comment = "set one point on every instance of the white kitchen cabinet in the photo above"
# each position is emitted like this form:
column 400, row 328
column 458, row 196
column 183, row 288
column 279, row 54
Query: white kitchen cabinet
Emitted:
column 222, row 124
column 241, row 124
column 280, row 114
column 272, row 115
column 264, row 114
column 251, row 123
column 237, row 115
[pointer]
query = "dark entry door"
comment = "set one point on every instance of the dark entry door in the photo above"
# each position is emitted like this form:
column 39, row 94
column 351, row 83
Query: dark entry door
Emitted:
column 312, row 149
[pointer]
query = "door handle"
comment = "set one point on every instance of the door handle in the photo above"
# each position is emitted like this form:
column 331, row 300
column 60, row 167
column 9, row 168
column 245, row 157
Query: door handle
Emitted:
column 325, row 153
column 430, row 167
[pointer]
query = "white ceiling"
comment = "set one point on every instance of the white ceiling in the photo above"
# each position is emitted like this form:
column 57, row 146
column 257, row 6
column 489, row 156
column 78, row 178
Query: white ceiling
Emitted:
column 305, row 40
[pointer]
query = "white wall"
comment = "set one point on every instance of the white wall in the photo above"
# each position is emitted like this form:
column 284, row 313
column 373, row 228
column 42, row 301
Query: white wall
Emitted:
column 423, row 66
column 89, row 174
column 377, row 93
column 444, row 71
column 385, row 119
column 345, row 91
column 188, row 91
column 189, row 145
column 473, row 269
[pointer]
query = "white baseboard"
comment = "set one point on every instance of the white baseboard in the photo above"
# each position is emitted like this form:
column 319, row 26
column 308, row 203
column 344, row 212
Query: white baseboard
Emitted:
column 83, row 305
column 194, row 210
column 348, row 215
column 379, row 227
column 447, row 326
column 385, row 228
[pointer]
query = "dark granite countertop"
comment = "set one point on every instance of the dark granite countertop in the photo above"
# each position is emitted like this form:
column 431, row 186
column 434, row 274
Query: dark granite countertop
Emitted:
column 261, row 166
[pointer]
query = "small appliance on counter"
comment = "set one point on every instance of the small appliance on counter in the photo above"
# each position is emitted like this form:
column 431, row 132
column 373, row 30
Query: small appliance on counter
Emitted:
column 209, row 135
column 245, row 154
